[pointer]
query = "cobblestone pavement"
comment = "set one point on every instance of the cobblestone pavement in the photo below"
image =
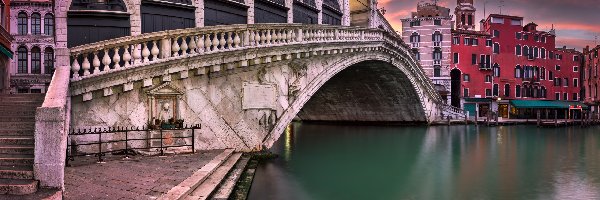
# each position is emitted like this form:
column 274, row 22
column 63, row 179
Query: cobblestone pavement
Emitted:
column 136, row 178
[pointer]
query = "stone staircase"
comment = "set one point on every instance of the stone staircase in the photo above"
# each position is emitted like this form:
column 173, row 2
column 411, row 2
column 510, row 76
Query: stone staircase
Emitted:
column 17, row 124
column 215, row 180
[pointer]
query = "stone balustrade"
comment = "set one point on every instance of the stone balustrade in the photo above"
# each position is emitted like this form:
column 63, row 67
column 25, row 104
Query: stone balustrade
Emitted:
column 134, row 51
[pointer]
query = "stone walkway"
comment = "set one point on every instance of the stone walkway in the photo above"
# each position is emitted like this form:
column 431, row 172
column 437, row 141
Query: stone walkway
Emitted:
column 136, row 178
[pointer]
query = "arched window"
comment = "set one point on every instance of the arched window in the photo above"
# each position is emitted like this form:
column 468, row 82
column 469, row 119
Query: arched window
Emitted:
column 543, row 92
column 22, row 60
column 48, row 61
column 436, row 37
column 518, row 71
column 437, row 54
column 36, row 60
column 462, row 19
column 22, row 23
column 36, row 24
column 496, row 70
column 535, row 52
column 518, row 91
column 48, row 24
column 507, row 90
column 488, row 79
column 437, row 71
column 525, row 51
column 518, row 50
column 414, row 38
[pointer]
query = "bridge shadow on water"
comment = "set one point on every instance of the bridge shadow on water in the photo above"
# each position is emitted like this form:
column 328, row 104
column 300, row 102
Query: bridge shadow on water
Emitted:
column 459, row 162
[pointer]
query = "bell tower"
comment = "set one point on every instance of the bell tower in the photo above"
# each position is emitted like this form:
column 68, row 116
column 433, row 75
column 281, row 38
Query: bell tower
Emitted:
column 465, row 15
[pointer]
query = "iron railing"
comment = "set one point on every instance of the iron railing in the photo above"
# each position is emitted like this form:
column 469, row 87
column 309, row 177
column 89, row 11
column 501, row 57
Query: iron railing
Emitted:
column 99, row 145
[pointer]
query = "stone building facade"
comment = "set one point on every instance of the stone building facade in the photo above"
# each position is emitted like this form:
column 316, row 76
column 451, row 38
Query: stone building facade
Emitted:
column 5, row 53
column 428, row 32
column 590, row 77
column 33, row 46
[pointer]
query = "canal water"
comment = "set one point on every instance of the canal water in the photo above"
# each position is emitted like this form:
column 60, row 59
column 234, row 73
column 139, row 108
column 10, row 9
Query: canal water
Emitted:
column 458, row 162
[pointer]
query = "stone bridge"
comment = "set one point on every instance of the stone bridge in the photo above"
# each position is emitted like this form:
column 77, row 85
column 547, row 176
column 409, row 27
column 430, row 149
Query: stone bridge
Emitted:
column 245, row 83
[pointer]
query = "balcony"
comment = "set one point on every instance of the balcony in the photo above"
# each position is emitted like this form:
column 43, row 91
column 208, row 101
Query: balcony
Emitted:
column 532, row 79
column 530, row 57
column 437, row 62
column 485, row 66
column 437, row 44
column 414, row 45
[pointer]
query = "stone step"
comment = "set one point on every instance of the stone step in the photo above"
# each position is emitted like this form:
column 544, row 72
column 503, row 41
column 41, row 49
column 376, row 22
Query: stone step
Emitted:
column 16, row 172
column 18, row 186
column 24, row 131
column 16, row 159
column 17, row 119
column 18, row 113
column 17, row 125
column 16, row 140
column 208, row 186
column 228, row 184
column 17, row 149
column 184, row 188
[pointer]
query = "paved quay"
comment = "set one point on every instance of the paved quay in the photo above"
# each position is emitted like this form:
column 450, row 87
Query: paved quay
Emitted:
column 140, row 177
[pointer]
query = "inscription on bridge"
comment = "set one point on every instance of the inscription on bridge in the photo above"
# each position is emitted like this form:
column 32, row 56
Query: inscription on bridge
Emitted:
column 259, row 96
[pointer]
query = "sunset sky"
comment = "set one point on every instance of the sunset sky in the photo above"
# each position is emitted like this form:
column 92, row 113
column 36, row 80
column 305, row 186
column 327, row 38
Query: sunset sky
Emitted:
column 577, row 22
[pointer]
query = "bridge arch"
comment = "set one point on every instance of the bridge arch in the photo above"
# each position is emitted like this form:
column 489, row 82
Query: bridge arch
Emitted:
column 425, row 105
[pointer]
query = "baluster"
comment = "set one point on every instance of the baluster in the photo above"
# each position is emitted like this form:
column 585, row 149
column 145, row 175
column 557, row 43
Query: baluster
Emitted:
column 155, row 51
column 184, row 46
column 145, row 52
column 280, row 36
column 75, row 67
column 126, row 56
column 96, row 63
column 236, row 40
column 252, row 38
column 257, row 38
column 106, row 61
column 116, row 59
column 201, row 44
column 246, row 39
column 263, row 38
column 215, row 42
column 268, row 37
column 222, row 41
column 86, row 65
column 175, row 47
column 193, row 46
column 137, row 54
column 294, row 36
column 207, row 42
column 229, row 40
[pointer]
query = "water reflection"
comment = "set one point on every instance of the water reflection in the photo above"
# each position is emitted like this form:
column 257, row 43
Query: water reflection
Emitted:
column 459, row 162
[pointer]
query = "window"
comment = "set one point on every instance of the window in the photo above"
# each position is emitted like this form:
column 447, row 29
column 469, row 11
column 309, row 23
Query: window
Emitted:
column 496, row 33
column 22, row 60
column 557, row 96
column 488, row 79
column 518, row 35
column 488, row 61
column 49, row 61
column 437, row 71
column 518, row 71
column 474, row 59
column 536, row 38
column 543, row 52
column 466, row 92
column 518, row 50
column 525, row 36
column 437, row 54
column 535, row 52
column 49, row 24
column 566, row 96
column 455, row 40
column 36, row 24
column 415, row 38
column 575, row 58
column 462, row 19
column 507, row 90
column 496, row 20
column 543, row 91
column 575, row 97
column 488, row 92
column 518, row 91
column 551, row 55
column 474, row 42
column 36, row 61
column 415, row 23
column 22, row 23
column 496, row 48
column 455, row 58
column 550, row 75
column 496, row 90
column 544, row 39
column 575, row 82
column 496, row 70
column 22, row 90
column 418, row 56
column 525, row 51
column 437, row 22
column 437, row 37
column 557, row 68
column 488, row 43
column 566, row 82
column 467, row 41
column 466, row 78
column 543, row 73
column 470, row 18
column 575, row 68
column 516, row 22
column 36, row 91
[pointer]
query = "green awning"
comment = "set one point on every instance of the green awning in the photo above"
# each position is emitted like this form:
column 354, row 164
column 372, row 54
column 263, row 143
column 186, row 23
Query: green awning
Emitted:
column 546, row 104
column 6, row 52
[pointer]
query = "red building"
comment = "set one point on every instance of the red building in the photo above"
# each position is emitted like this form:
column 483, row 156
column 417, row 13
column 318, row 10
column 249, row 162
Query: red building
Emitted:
column 506, row 63
column 590, row 77
column 5, row 41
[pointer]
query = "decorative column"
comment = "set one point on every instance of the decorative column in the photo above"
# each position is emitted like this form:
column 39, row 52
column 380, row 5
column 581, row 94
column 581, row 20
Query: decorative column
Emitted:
column 346, row 12
column 250, row 4
column 290, row 16
column 133, row 7
column 199, row 12
column 320, row 8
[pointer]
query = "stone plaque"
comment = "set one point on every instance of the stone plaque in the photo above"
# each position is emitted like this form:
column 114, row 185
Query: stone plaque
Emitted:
column 259, row 96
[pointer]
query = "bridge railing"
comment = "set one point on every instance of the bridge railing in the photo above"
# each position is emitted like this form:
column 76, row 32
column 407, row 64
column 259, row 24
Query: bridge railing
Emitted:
column 134, row 51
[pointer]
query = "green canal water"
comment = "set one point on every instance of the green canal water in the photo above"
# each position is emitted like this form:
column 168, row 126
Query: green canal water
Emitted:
column 458, row 162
